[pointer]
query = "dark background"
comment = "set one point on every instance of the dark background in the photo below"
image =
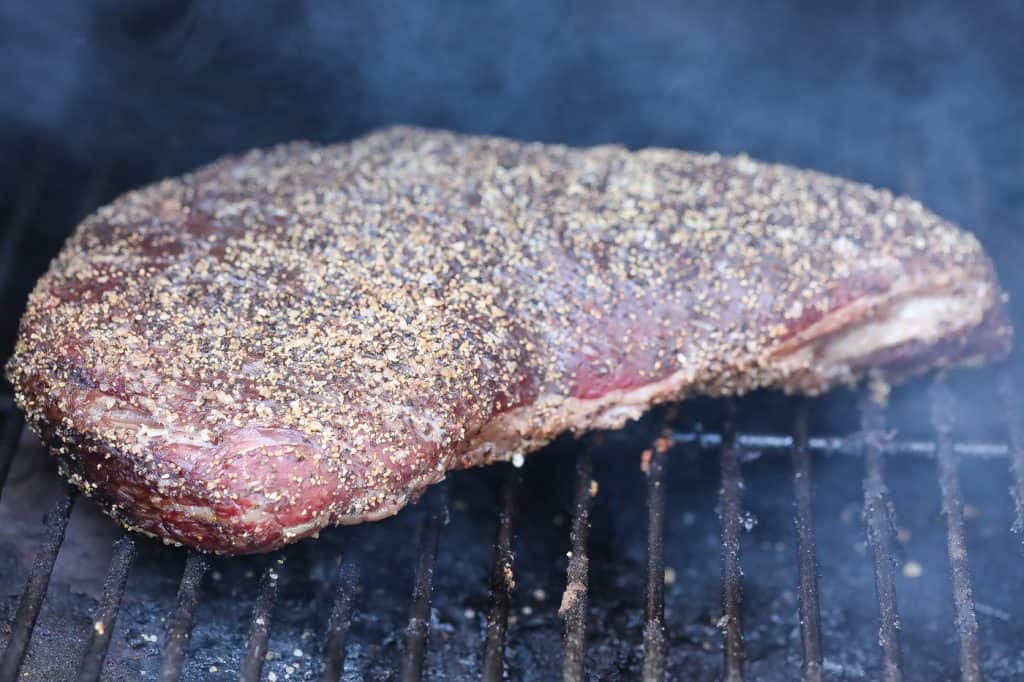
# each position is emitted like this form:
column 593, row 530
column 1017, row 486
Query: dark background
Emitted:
column 102, row 96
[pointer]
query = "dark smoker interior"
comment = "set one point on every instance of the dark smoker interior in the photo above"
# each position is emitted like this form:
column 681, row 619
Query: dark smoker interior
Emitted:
column 904, row 562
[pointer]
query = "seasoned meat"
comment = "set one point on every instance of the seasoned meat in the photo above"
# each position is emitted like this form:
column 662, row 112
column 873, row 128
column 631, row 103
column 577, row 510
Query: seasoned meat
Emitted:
column 304, row 336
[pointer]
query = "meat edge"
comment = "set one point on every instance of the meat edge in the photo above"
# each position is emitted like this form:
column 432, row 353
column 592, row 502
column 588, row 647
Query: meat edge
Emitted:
column 192, row 520
column 979, row 337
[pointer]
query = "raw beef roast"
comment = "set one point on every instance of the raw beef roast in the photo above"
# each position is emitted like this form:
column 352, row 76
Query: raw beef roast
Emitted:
column 306, row 336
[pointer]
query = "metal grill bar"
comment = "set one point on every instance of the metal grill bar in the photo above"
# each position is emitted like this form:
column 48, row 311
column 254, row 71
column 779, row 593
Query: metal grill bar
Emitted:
column 190, row 590
column 417, row 630
column 840, row 445
column 654, row 607
column 262, row 613
column 731, row 510
column 502, row 581
column 13, row 425
column 943, row 417
column 38, row 581
column 574, row 600
column 338, row 625
column 106, row 614
column 878, row 523
column 1011, row 405
column 807, row 569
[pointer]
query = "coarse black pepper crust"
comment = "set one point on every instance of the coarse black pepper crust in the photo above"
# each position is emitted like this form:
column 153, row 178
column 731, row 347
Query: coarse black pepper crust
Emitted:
column 301, row 336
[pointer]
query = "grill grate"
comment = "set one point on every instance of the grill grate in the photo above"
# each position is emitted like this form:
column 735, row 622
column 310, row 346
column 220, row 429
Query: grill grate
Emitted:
column 501, row 581
column 807, row 573
column 341, row 620
column 952, row 510
column 1008, row 392
column 417, row 630
column 878, row 518
column 654, row 607
column 879, row 531
column 731, row 506
column 262, row 615
column 106, row 613
column 574, row 600
column 39, row 579
column 190, row 591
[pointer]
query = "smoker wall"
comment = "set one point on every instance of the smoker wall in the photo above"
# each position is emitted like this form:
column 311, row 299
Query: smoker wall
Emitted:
column 923, row 97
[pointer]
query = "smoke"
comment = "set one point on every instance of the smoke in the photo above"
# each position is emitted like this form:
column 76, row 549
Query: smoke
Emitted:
column 921, row 97
column 146, row 79
column 810, row 84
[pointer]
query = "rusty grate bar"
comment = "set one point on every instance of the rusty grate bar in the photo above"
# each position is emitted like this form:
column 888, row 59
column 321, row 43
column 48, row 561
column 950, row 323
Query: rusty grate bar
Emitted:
column 262, row 615
column 190, row 591
column 338, row 625
column 807, row 569
column 731, row 511
column 879, row 527
column 106, row 614
column 1011, row 406
column 654, row 463
column 840, row 445
column 502, row 580
column 944, row 419
column 418, row 629
column 574, row 600
column 14, row 423
column 38, row 581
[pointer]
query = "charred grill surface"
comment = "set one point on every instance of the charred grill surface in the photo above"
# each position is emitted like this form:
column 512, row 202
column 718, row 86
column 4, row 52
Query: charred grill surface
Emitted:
column 302, row 619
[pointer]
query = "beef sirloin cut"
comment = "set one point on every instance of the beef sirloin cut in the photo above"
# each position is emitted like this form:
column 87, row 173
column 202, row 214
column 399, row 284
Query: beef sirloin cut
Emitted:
column 304, row 336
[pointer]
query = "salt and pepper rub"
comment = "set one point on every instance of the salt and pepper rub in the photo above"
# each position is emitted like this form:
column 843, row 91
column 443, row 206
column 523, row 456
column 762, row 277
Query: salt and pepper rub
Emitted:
column 239, row 357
